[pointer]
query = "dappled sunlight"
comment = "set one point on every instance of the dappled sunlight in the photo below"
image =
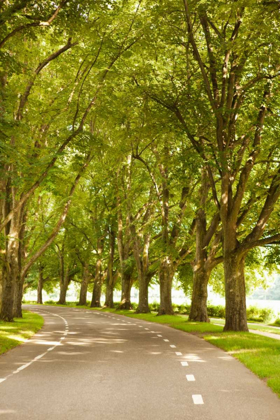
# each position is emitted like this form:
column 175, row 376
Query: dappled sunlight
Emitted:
column 75, row 317
column 7, row 411
column 115, row 329
column 72, row 353
column 16, row 337
column 96, row 340
column 193, row 358
column 240, row 351
column 48, row 343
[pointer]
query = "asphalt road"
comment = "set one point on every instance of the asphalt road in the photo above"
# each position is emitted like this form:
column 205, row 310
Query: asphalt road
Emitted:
column 90, row 365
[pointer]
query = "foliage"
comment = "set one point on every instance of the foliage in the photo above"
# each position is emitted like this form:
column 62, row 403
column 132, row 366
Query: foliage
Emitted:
column 257, row 314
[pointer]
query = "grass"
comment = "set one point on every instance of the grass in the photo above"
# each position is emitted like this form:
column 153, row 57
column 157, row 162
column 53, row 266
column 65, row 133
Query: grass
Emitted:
column 14, row 333
column 260, row 354
column 250, row 326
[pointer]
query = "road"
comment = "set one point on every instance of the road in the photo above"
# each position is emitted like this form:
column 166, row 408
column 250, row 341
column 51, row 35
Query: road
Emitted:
column 91, row 365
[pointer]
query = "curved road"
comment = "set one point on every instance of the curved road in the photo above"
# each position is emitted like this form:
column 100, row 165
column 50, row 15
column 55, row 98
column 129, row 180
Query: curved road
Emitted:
column 91, row 365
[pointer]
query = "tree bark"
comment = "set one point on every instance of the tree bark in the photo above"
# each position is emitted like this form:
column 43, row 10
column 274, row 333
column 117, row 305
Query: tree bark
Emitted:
column 84, row 285
column 7, row 295
column 109, row 300
column 143, row 305
column 126, row 291
column 198, row 312
column 64, row 283
column 236, row 318
column 40, row 286
column 201, row 276
column 166, row 273
column 110, row 278
column 96, row 294
column 18, row 293
column 11, row 273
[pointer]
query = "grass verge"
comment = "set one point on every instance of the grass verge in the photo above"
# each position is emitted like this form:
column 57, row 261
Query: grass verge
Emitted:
column 251, row 326
column 14, row 333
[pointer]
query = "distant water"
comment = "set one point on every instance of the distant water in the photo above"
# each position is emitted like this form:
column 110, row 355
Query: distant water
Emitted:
column 178, row 298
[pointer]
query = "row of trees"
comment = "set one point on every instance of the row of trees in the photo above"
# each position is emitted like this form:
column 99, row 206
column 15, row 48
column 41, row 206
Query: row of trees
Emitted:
column 139, row 143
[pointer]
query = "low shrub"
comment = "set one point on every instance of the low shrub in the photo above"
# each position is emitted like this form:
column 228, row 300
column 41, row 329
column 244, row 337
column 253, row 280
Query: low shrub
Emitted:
column 277, row 321
column 254, row 313
column 216, row 311
column 154, row 306
column 181, row 309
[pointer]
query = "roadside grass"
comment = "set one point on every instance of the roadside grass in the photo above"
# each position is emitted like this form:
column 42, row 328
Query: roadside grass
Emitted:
column 259, row 354
column 251, row 326
column 14, row 333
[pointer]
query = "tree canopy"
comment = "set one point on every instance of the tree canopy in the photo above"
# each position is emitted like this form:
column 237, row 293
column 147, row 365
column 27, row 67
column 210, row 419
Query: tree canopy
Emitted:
column 139, row 143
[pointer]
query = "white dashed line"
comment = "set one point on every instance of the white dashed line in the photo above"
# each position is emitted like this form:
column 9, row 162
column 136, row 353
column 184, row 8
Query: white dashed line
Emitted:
column 159, row 335
column 172, row 346
column 184, row 364
column 197, row 399
column 165, row 339
column 178, row 353
column 147, row 329
column 190, row 378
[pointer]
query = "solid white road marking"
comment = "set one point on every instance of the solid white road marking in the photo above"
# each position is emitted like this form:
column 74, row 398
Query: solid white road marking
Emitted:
column 184, row 364
column 190, row 378
column 178, row 353
column 197, row 399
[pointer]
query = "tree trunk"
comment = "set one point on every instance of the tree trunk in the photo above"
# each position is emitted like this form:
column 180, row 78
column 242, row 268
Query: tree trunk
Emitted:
column 198, row 310
column 96, row 294
column 1, row 283
column 40, row 286
column 110, row 280
column 18, row 293
column 236, row 318
column 126, row 291
column 64, row 283
column 109, row 300
column 11, row 272
column 201, row 275
column 166, row 274
column 84, row 285
column 143, row 305
column 7, row 296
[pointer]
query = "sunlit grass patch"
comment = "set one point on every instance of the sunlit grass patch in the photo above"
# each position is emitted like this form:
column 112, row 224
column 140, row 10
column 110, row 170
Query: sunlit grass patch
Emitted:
column 260, row 354
column 197, row 327
column 13, row 334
